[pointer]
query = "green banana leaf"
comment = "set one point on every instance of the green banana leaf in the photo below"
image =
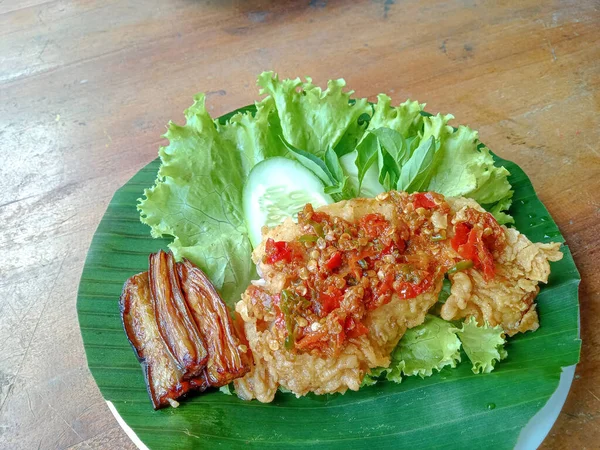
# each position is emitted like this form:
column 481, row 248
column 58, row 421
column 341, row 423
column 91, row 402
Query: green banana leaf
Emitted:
column 451, row 409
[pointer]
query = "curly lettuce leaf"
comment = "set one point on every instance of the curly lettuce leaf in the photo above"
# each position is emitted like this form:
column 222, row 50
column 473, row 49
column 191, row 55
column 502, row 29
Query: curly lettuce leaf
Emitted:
column 396, row 148
column 255, row 137
column 430, row 346
column 465, row 168
column 356, row 146
column 312, row 119
column 406, row 119
column 197, row 195
column 483, row 345
column 436, row 157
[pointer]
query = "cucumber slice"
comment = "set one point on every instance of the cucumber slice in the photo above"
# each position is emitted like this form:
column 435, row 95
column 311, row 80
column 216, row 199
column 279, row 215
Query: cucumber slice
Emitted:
column 278, row 188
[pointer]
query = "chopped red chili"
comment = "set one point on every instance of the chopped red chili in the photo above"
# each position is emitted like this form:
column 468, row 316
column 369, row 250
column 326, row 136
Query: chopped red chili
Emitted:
column 329, row 300
column 335, row 261
column 354, row 328
column 461, row 235
column 423, row 200
column 470, row 243
column 280, row 251
column 337, row 270
column 373, row 225
column 408, row 290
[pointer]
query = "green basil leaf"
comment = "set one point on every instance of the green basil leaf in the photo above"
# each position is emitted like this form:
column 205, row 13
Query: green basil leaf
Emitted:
column 415, row 173
column 367, row 154
column 311, row 162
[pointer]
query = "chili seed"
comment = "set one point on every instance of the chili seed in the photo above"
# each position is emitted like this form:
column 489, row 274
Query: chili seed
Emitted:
column 321, row 244
column 303, row 273
column 301, row 321
column 340, row 283
column 301, row 290
column 336, row 328
column 315, row 254
column 312, row 265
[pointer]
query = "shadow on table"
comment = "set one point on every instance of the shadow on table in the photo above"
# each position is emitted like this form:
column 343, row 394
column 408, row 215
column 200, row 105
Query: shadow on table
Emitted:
column 261, row 10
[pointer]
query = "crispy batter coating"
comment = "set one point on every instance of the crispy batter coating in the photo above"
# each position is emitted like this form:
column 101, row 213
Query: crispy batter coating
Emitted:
column 507, row 299
column 303, row 372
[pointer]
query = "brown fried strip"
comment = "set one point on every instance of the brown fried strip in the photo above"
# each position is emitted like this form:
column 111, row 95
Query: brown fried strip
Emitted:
column 164, row 380
column 228, row 357
column 175, row 324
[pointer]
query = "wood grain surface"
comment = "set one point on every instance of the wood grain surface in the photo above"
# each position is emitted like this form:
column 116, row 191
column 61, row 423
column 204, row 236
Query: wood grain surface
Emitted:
column 86, row 88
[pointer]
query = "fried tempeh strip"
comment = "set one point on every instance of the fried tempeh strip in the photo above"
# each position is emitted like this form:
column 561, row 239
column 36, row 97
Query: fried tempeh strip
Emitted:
column 228, row 357
column 175, row 324
column 164, row 380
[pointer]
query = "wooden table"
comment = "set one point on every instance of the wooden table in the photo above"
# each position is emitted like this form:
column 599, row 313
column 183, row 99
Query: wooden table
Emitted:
column 86, row 88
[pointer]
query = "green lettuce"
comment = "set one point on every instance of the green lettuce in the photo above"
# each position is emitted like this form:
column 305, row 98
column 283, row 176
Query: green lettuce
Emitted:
column 406, row 119
column 384, row 147
column 466, row 168
column 436, row 157
column 354, row 147
column 311, row 119
column 197, row 195
column 430, row 346
column 483, row 345
column 436, row 344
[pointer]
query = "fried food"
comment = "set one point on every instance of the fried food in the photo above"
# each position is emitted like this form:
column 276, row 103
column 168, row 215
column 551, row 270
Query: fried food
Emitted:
column 340, row 287
column 175, row 324
column 176, row 321
column 228, row 358
column 507, row 299
column 164, row 379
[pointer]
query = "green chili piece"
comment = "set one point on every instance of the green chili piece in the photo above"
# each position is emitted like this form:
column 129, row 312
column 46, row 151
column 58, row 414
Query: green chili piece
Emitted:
column 308, row 238
column 287, row 307
column 289, row 341
column 317, row 227
column 441, row 236
column 458, row 267
column 406, row 269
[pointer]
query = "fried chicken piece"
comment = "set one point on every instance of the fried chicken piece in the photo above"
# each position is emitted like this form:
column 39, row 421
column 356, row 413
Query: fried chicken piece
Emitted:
column 302, row 373
column 507, row 299
column 339, row 368
column 341, row 287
